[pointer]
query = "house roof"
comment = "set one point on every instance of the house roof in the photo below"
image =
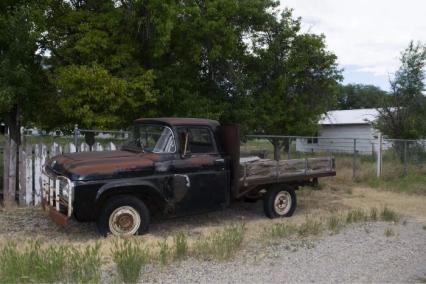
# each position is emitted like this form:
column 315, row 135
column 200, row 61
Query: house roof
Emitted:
column 352, row 116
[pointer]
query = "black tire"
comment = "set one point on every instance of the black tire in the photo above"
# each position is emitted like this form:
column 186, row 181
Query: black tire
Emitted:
column 119, row 201
column 269, row 201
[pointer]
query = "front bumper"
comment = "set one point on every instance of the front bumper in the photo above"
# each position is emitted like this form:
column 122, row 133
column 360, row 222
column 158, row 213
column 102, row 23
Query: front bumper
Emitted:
column 58, row 193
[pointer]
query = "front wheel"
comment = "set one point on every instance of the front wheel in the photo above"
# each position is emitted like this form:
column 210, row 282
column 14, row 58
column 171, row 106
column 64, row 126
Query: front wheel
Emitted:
column 279, row 201
column 123, row 216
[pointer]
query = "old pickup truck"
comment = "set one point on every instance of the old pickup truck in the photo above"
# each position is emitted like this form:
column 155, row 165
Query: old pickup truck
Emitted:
column 171, row 167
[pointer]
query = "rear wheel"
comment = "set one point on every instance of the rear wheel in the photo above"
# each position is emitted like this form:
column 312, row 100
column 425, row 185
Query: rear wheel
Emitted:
column 123, row 216
column 279, row 201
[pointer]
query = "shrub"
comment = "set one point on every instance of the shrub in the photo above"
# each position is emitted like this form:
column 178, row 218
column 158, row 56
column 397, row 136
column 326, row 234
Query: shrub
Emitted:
column 129, row 256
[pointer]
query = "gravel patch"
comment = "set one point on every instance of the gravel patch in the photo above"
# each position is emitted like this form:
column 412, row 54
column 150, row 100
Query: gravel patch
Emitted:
column 361, row 253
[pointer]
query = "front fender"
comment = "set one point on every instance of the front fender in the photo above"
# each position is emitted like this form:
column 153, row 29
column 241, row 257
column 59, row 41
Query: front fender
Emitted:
column 135, row 186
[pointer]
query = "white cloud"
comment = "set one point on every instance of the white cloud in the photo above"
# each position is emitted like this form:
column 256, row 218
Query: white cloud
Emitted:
column 368, row 34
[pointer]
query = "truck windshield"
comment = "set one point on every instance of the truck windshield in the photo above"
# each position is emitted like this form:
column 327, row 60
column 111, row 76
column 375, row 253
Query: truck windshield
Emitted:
column 151, row 138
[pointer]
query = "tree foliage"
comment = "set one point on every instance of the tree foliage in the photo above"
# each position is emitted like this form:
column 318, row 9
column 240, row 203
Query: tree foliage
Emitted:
column 22, row 78
column 403, row 115
column 293, row 79
column 356, row 96
column 108, row 62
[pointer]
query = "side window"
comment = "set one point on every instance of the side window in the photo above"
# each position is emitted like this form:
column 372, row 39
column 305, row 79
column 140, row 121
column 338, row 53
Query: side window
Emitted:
column 199, row 140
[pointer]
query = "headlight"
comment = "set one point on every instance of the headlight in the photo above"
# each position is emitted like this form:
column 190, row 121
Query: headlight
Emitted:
column 66, row 188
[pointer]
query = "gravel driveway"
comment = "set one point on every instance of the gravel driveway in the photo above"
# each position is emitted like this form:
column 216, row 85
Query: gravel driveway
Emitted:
column 358, row 254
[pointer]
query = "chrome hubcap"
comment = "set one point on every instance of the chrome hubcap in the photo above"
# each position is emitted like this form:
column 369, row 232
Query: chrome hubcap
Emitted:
column 124, row 221
column 282, row 202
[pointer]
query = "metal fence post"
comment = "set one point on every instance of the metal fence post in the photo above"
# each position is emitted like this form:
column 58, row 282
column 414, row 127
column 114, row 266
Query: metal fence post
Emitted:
column 76, row 137
column 354, row 162
column 379, row 155
column 405, row 158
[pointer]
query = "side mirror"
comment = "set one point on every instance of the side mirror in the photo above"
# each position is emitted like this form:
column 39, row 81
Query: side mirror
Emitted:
column 184, row 139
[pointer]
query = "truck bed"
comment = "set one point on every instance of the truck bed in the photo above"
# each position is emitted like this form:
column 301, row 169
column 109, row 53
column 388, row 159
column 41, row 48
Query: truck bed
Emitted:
column 255, row 171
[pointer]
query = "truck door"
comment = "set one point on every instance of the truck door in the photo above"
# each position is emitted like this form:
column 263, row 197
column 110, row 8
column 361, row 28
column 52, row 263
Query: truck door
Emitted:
column 202, row 169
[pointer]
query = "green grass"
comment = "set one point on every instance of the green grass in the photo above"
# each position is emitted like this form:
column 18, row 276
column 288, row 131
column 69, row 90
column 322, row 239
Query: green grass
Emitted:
column 181, row 246
column 412, row 183
column 335, row 224
column 310, row 227
column 356, row 216
column 389, row 215
column 130, row 256
column 422, row 279
column 389, row 232
column 58, row 263
column 281, row 230
column 164, row 253
column 221, row 245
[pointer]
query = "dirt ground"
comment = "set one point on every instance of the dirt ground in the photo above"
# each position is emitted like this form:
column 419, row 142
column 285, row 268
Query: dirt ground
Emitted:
column 22, row 224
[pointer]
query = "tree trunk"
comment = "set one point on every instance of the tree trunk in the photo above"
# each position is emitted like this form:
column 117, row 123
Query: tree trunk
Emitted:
column 277, row 149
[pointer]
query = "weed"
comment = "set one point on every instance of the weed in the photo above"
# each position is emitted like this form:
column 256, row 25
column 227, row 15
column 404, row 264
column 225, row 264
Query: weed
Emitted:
column 59, row 263
column 389, row 215
column 309, row 227
column 85, row 265
column 389, row 232
column 422, row 279
column 165, row 252
column 282, row 230
column 355, row 216
column 424, row 227
column 181, row 245
column 334, row 224
column 129, row 256
column 221, row 245
column 373, row 214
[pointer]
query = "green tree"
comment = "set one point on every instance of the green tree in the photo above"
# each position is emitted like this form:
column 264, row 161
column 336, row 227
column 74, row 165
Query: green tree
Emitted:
column 94, row 66
column 22, row 78
column 356, row 96
column 403, row 115
column 293, row 80
column 203, row 72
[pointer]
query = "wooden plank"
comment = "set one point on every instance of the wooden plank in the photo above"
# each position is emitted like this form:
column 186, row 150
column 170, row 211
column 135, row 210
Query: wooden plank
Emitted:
column 70, row 148
column 98, row 147
column 37, row 173
column 22, row 175
column 11, row 190
column 84, row 147
column 110, row 146
column 29, row 175
column 6, row 161
column 269, row 169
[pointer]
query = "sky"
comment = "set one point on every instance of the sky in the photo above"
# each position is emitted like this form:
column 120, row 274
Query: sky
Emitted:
column 367, row 36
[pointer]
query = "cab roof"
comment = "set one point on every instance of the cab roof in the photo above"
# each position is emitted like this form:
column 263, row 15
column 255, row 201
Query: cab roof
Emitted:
column 179, row 121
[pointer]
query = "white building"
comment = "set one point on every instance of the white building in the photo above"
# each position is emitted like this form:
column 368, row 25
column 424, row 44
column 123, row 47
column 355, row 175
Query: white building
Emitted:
column 338, row 130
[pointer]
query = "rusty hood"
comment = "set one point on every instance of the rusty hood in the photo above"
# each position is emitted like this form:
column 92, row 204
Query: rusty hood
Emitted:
column 103, row 165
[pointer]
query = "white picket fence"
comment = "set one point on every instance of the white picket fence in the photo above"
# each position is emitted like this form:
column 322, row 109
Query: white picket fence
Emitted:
column 32, row 158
